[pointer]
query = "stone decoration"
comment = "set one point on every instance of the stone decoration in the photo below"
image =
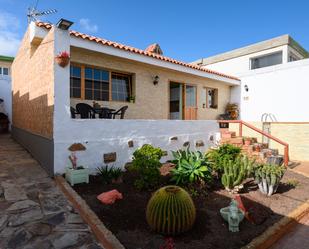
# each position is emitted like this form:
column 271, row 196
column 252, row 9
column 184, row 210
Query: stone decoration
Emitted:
column 130, row 143
column 110, row 157
column 173, row 138
column 110, row 197
column 199, row 143
column 77, row 147
column 185, row 144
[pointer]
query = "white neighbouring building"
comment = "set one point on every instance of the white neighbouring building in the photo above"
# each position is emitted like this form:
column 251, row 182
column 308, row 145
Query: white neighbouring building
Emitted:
column 5, row 85
column 274, row 78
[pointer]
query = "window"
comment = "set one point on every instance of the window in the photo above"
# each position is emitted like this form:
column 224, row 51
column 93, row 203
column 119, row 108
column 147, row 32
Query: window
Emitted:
column 5, row 71
column 266, row 60
column 190, row 96
column 121, row 85
column 0, row 70
column 75, row 82
column 211, row 98
column 98, row 84
column 293, row 57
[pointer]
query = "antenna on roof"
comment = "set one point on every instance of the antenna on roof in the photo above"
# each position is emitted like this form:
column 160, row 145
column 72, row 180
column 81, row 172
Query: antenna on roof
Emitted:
column 33, row 13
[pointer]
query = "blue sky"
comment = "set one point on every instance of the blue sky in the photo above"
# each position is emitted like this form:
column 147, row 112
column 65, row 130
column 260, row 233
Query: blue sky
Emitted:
column 185, row 30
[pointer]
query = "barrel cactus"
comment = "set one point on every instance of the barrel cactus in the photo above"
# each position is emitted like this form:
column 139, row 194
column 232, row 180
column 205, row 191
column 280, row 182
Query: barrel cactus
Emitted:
column 170, row 211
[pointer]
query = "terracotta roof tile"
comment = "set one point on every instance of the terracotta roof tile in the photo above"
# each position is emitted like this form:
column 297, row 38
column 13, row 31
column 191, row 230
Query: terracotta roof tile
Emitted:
column 135, row 50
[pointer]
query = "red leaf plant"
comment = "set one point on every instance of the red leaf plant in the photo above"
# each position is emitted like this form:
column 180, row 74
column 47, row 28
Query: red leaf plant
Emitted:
column 63, row 54
column 169, row 244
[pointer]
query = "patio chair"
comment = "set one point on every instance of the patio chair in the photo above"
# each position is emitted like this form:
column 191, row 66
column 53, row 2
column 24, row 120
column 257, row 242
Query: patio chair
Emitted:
column 120, row 112
column 73, row 112
column 85, row 110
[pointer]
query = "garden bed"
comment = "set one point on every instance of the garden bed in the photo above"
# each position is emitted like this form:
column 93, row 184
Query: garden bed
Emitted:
column 126, row 217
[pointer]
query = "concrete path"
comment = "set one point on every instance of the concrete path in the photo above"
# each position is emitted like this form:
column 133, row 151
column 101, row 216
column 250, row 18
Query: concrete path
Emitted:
column 298, row 238
column 34, row 214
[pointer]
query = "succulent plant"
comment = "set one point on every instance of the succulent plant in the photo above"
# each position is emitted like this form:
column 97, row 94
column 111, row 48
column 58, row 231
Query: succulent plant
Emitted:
column 268, row 177
column 170, row 211
column 235, row 172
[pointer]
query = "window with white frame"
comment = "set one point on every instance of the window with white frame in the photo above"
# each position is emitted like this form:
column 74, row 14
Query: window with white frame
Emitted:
column 4, row 71
column 266, row 60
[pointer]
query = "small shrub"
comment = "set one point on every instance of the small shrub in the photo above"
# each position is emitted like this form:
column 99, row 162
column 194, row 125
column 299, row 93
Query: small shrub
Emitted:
column 108, row 174
column 218, row 156
column 292, row 182
column 146, row 161
column 191, row 167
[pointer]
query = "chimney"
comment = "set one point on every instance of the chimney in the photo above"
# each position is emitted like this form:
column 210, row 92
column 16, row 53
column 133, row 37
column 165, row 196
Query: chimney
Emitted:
column 154, row 48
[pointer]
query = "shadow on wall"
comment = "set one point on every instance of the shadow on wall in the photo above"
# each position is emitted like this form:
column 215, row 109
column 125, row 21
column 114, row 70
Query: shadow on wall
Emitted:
column 32, row 127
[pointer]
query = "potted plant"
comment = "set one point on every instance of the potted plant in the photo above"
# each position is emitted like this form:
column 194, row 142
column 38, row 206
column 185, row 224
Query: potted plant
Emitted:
column 247, row 140
column 132, row 99
column 63, row 59
column 76, row 174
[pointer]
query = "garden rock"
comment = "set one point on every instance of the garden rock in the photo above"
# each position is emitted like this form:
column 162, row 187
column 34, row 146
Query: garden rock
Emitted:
column 22, row 206
column 55, row 219
column 19, row 238
column 19, row 219
column 66, row 240
column 13, row 192
column 3, row 220
column 110, row 197
column 74, row 219
column 39, row 229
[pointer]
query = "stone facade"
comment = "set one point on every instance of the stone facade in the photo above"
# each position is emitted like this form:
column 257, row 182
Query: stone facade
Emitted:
column 152, row 101
column 33, row 86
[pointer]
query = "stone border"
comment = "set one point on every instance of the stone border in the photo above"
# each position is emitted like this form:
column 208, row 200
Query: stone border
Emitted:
column 105, row 237
column 279, row 229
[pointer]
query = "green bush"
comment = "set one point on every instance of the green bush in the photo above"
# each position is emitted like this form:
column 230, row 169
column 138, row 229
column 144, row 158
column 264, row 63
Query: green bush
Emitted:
column 146, row 161
column 108, row 174
column 218, row 156
column 191, row 167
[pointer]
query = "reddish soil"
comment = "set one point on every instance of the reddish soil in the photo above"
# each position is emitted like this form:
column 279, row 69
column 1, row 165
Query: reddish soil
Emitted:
column 126, row 218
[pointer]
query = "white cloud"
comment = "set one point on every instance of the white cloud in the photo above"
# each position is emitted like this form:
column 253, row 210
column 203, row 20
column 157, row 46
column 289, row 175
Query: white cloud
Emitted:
column 88, row 26
column 9, row 39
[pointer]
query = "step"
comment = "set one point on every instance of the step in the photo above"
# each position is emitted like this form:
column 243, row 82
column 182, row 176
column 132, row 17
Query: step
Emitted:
column 233, row 140
column 228, row 134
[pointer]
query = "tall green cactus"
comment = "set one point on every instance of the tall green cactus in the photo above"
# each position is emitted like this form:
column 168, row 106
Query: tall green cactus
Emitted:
column 235, row 172
column 170, row 211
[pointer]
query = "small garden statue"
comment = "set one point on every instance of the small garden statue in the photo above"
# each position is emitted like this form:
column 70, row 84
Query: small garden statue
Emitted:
column 233, row 215
column 73, row 159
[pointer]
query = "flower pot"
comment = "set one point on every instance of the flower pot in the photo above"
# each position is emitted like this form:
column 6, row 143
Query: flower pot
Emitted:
column 74, row 176
column 62, row 61
column 248, row 142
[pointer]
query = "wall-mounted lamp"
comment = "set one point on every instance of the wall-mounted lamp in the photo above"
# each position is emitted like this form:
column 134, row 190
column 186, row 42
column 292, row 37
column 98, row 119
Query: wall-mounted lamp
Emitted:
column 64, row 24
column 156, row 80
column 246, row 88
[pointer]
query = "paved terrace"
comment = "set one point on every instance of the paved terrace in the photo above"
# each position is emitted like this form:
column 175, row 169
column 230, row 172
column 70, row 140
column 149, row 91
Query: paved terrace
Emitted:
column 33, row 212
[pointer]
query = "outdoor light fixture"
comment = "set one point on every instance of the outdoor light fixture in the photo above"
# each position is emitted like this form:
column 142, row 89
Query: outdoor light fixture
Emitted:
column 64, row 24
column 246, row 88
column 156, row 80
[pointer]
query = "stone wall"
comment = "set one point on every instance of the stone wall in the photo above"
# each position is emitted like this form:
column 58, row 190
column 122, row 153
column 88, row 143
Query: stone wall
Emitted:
column 33, row 86
column 152, row 101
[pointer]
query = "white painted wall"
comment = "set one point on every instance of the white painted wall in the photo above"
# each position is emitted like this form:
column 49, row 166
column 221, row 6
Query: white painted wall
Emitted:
column 282, row 90
column 241, row 64
column 105, row 136
column 6, row 94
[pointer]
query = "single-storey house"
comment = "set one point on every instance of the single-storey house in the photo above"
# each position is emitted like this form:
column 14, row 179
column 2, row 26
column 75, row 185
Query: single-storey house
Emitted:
column 169, row 102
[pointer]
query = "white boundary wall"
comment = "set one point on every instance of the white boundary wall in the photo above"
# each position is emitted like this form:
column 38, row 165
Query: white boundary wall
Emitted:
column 106, row 136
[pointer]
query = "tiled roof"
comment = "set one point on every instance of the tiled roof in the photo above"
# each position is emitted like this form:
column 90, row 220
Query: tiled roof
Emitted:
column 136, row 50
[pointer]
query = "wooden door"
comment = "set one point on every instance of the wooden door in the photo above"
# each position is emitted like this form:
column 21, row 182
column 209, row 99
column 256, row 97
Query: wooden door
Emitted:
column 190, row 103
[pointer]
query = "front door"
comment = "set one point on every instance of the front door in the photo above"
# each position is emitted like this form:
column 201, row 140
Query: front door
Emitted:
column 182, row 101
column 190, row 108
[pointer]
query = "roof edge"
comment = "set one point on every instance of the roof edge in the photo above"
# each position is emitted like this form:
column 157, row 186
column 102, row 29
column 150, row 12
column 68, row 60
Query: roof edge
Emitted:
column 6, row 58
column 119, row 46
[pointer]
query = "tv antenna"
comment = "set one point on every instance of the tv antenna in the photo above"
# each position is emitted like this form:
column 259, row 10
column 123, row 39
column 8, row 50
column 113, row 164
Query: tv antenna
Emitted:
column 33, row 13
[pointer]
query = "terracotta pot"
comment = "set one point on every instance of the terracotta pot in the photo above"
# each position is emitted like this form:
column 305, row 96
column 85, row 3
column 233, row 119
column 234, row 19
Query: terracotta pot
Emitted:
column 62, row 61
column 247, row 142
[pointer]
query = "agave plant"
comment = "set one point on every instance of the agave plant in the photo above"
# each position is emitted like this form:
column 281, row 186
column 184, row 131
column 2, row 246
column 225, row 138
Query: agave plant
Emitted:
column 191, row 167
